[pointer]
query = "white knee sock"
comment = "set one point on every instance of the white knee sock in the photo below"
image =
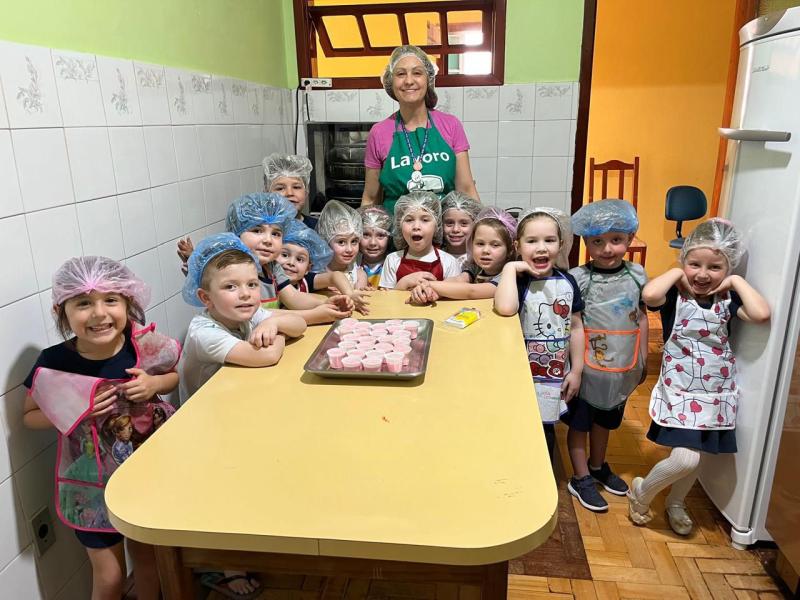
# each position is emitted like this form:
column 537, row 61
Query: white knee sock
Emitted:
column 677, row 494
column 680, row 466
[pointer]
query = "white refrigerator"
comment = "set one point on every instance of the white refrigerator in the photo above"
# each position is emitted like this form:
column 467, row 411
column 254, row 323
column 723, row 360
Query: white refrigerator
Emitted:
column 761, row 195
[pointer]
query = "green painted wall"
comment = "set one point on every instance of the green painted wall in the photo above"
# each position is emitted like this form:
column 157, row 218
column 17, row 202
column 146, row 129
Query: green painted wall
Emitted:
column 543, row 40
column 238, row 38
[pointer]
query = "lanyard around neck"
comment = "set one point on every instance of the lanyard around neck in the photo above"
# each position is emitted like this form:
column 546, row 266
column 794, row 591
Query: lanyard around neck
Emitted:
column 416, row 159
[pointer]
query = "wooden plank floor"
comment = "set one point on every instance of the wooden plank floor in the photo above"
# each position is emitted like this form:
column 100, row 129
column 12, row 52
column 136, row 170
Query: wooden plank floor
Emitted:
column 625, row 561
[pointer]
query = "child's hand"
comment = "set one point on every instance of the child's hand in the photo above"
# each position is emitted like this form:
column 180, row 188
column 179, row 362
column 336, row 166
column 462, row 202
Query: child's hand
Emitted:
column 571, row 385
column 141, row 388
column 104, row 402
column 724, row 285
column 682, row 283
column 327, row 313
column 264, row 333
column 185, row 248
column 342, row 302
column 422, row 294
column 520, row 266
column 414, row 279
column 360, row 303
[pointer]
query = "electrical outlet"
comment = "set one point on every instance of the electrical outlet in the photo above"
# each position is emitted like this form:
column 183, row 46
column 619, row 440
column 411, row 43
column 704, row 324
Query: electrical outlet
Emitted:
column 44, row 534
column 316, row 82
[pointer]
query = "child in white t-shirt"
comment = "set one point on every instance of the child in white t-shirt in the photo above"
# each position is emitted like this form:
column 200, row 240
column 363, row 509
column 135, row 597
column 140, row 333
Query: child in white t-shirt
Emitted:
column 459, row 213
column 340, row 226
column 417, row 233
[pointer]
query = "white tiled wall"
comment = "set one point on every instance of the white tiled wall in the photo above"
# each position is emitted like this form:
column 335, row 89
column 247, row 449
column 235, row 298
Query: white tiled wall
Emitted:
column 522, row 136
column 106, row 156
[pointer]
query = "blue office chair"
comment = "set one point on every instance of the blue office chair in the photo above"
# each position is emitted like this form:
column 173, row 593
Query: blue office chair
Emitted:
column 684, row 203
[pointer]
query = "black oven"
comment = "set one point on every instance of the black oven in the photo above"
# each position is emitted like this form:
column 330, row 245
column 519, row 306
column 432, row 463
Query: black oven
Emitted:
column 336, row 151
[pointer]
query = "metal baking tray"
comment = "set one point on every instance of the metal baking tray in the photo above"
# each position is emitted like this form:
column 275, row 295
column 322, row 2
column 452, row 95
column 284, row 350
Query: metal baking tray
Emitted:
column 417, row 364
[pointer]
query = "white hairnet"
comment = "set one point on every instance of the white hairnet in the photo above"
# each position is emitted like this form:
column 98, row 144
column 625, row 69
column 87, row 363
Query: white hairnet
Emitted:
column 564, row 230
column 84, row 274
column 719, row 235
column 604, row 216
column 460, row 201
column 204, row 253
column 427, row 201
column 492, row 212
column 257, row 209
column 286, row 165
column 319, row 253
column 375, row 217
column 387, row 79
column 337, row 218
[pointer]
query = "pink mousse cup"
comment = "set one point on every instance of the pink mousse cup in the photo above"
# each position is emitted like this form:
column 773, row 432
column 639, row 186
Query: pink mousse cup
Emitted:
column 335, row 356
column 351, row 363
column 394, row 362
column 372, row 365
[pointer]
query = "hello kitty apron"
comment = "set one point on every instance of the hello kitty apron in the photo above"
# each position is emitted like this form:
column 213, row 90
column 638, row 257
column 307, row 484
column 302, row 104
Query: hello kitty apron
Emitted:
column 697, row 386
column 612, row 362
column 545, row 316
column 90, row 450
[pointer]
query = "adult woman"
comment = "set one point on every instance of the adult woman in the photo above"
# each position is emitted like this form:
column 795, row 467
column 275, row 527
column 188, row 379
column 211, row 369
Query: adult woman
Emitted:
column 417, row 148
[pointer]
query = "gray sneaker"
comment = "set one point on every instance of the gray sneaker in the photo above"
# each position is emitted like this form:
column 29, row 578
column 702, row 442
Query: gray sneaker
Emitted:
column 609, row 480
column 585, row 490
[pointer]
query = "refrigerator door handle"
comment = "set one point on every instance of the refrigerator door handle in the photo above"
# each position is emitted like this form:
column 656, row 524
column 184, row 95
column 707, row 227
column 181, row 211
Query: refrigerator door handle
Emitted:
column 755, row 135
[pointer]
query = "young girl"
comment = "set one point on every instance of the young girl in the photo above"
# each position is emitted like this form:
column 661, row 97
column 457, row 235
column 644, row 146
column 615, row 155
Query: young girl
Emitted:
column 305, row 256
column 285, row 174
column 693, row 405
column 340, row 226
column 100, row 389
column 260, row 220
column 549, row 305
column 491, row 244
column 289, row 175
column 417, row 232
column 459, row 212
column 377, row 226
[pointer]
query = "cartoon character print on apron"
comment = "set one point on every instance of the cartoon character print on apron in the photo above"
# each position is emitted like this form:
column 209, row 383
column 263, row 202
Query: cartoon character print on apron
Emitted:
column 90, row 450
column 612, row 362
column 438, row 173
column 408, row 266
column 697, row 386
column 545, row 317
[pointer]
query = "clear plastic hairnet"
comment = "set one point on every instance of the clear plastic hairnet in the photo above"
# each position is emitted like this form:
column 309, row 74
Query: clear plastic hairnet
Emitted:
column 460, row 201
column 492, row 212
column 286, row 165
column 604, row 216
column 84, row 274
column 717, row 234
column 375, row 217
column 204, row 253
column 319, row 253
column 257, row 209
column 564, row 230
column 337, row 218
column 427, row 201
column 387, row 78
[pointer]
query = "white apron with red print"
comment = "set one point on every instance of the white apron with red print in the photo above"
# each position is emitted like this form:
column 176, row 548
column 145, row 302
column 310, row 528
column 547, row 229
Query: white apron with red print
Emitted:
column 697, row 386
column 90, row 450
column 545, row 317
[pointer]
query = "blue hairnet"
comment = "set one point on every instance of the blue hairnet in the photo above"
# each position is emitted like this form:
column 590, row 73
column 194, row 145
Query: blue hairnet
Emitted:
column 204, row 253
column 257, row 209
column 604, row 216
column 319, row 253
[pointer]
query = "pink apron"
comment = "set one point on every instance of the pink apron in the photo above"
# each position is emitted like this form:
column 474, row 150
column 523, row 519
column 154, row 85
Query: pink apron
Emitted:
column 89, row 450
column 697, row 386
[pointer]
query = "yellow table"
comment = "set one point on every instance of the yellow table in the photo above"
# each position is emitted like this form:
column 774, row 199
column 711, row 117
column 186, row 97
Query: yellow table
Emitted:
column 277, row 470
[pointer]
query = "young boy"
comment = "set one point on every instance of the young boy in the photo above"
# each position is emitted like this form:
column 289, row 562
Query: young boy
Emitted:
column 233, row 329
column 615, row 327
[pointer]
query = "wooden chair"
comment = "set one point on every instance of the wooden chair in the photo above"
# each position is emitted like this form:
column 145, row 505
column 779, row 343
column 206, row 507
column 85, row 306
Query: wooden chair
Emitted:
column 637, row 246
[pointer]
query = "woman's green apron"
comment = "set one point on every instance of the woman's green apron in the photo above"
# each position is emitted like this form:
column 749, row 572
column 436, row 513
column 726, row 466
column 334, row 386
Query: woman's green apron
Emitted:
column 425, row 146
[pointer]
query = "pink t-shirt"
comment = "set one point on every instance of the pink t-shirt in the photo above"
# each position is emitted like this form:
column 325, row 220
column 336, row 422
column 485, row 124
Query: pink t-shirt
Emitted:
column 380, row 137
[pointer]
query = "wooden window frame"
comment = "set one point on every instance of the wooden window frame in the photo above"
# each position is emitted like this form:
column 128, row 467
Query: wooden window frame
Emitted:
column 307, row 18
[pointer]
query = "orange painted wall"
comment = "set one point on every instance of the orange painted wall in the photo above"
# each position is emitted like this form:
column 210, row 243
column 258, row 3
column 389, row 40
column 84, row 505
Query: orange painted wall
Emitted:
column 658, row 86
